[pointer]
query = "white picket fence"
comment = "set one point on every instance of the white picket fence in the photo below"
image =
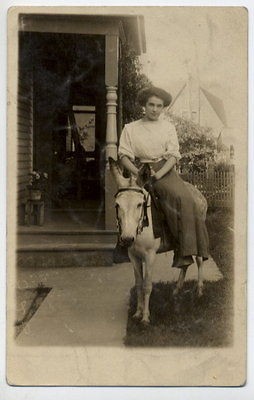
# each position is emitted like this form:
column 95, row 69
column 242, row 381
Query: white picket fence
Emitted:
column 216, row 186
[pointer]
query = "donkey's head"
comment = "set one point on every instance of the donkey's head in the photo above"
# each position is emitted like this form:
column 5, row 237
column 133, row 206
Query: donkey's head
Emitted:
column 130, row 200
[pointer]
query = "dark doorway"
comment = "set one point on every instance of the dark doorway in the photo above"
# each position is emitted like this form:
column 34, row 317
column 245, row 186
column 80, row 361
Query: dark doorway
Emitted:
column 77, row 162
column 69, row 115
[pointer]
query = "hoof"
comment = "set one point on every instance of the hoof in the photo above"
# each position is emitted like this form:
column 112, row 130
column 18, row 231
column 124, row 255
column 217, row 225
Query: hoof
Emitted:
column 137, row 315
column 175, row 291
column 200, row 291
column 145, row 322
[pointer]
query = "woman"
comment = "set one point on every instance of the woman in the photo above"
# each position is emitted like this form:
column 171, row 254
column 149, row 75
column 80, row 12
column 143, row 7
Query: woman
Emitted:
column 153, row 140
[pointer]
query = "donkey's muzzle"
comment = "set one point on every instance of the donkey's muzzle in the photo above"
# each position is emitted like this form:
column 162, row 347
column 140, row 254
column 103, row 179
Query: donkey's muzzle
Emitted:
column 126, row 240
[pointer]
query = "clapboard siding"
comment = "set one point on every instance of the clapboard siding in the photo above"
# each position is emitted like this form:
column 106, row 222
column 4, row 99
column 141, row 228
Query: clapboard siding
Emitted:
column 23, row 156
column 21, row 196
column 25, row 166
column 22, row 180
column 25, row 133
column 24, row 102
column 24, row 142
column 25, row 126
column 25, row 121
column 22, row 149
column 21, row 173
column 24, row 113
column 23, row 107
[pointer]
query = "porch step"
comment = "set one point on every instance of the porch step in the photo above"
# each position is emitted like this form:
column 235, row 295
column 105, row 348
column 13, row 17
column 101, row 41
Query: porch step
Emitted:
column 65, row 248
column 65, row 237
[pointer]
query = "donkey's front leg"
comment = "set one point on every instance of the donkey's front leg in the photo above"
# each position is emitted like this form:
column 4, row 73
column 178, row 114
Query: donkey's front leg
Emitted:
column 138, row 273
column 200, row 264
column 147, row 285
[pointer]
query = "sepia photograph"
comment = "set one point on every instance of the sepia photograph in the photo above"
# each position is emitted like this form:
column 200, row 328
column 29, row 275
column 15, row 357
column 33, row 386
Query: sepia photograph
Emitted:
column 127, row 196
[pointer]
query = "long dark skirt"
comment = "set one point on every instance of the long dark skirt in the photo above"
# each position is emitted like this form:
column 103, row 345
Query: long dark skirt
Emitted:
column 183, row 217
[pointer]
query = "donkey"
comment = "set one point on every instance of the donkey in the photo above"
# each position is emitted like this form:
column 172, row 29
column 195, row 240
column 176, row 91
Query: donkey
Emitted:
column 131, row 206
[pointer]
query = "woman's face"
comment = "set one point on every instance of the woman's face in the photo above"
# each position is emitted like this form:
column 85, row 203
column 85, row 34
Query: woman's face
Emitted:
column 153, row 108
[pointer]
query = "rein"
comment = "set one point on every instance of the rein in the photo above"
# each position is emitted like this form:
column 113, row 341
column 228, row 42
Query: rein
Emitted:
column 143, row 221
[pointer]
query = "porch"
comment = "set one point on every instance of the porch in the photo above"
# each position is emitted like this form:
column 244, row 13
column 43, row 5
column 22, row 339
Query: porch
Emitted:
column 68, row 238
column 69, row 122
column 69, row 110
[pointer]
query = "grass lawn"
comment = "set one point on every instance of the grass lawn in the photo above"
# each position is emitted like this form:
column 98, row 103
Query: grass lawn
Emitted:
column 188, row 320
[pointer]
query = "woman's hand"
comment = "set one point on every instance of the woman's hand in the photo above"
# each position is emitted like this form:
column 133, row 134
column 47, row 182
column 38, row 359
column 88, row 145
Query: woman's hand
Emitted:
column 155, row 175
column 169, row 164
column 126, row 162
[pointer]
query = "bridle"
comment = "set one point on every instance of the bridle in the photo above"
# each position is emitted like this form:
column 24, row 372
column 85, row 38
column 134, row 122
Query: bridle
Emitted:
column 143, row 220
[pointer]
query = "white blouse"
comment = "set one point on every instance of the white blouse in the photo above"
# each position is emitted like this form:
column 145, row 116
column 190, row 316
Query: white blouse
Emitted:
column 149, row 141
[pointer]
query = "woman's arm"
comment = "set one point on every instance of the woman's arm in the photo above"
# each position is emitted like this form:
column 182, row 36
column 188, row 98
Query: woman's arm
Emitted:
column 169, row 164
column 172, row 154
column 126, row 162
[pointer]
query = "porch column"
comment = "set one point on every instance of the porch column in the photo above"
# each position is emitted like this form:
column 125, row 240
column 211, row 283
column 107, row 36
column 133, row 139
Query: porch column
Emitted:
column 111, row 130
column 111, row 81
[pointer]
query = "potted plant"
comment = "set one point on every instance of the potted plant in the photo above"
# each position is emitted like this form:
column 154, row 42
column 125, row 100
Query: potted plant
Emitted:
column 37, row 185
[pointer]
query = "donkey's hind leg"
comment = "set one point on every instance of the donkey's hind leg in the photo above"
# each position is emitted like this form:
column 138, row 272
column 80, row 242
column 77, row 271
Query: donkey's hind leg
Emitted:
column 200, row 264
column 138, row 273
column 180, row 281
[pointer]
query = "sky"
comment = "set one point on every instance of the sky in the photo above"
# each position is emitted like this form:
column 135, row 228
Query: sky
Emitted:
column 210, row 43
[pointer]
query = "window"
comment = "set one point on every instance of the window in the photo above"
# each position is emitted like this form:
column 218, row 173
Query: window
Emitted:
column 85, row 122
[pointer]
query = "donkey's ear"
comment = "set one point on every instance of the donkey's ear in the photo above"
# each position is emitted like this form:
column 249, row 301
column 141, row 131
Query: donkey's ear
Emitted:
column 112, row 162
column 117, row 173
column 144, row 175
column 114, row 166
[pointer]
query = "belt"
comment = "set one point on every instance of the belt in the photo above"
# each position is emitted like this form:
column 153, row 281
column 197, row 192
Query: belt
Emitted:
column 151, row 161
column 156, row 165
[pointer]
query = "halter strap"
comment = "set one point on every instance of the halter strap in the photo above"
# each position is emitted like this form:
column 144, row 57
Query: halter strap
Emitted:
column 144, row 216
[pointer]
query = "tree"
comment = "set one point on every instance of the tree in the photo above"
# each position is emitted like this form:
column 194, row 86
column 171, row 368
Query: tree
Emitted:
column 197, row 143
column 132, row 80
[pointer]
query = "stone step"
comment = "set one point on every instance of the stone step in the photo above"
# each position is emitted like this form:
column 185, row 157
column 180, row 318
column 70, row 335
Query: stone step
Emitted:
column 41, row 230
column 65, row 255
column 65, row 237
column 66, row 248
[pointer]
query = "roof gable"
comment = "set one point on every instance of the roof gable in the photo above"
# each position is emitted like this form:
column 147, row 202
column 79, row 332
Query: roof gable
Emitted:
column 216, row 104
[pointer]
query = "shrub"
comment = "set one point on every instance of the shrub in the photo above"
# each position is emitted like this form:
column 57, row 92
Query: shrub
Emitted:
column 197, row 143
